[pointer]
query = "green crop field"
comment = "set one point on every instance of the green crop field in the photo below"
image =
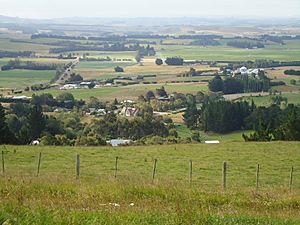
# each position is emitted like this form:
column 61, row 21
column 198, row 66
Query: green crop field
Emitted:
column 288, row 52
column 57, row 197
column 24, row 78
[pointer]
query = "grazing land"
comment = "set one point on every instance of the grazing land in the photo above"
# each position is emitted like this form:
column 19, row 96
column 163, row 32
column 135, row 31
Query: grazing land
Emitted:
column 57, row 196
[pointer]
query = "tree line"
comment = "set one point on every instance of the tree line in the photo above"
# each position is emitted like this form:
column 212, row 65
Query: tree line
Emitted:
column 17, row 64
column 245, row 44
column 106, row 47
column 10, row 54
column 292, row 72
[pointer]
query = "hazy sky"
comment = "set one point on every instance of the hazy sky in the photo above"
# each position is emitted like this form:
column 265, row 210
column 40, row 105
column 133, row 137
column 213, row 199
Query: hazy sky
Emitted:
column 149, row 8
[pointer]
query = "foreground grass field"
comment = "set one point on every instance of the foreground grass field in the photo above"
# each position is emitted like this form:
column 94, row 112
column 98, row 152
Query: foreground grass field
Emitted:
column 56, row 197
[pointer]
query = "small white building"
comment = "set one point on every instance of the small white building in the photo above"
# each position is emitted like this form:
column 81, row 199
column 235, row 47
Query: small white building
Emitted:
column 118, row 142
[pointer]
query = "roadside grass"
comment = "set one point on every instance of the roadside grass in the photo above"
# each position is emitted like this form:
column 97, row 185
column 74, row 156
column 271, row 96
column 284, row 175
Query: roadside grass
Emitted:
column 56, row 197
column 24, row 78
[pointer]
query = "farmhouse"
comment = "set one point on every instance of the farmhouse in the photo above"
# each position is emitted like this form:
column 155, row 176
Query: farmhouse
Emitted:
column 130, row 111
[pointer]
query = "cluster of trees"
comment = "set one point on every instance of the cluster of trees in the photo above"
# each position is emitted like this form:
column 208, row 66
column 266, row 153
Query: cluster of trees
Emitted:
column 174, row 61
column 239, row 84
column 75, row 78
column 8, row 54
column 161, row 101
column 292, row 72
column 276, row 39
column 142, row 52
column 205, row 42
column 245, row 44
column 194, row 73
column 218, row 116
column 22, row 123
column 17, row 64
column 274, row 123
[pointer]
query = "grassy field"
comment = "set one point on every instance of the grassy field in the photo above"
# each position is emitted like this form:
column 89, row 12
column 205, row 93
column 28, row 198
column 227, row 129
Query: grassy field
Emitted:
column 24, row 78
column 293, row 98
column 57, row 197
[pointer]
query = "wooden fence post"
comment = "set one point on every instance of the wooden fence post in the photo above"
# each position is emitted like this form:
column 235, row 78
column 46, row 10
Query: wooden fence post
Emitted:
column 257, row 177
column 116, row 166
column 39, row 164
column 154, row 170
column 3, row 167
column 77, row 166
column 291, row 178
column 224, row 175
column 191, row 171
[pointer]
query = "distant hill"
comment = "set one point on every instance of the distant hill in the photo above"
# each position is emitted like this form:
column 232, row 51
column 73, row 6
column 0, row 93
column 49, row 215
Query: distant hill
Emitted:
column 155, row 21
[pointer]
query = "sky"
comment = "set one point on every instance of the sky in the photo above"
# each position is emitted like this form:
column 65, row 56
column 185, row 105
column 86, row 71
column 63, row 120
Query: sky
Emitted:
column 45, row 9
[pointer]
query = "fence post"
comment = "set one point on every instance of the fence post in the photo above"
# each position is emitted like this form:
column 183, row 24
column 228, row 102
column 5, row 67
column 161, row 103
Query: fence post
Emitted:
column 116, row 166
column 291, row 178
column 224, row 175
column 257, row 177
column 39, row 164
column 154, row 170
column 77, row 166
column 3, row 168
column 191, row 171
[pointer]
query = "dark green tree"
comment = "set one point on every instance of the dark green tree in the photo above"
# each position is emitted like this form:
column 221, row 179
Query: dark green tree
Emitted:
column 159, row 62
column 216, row 84
column 36, row 121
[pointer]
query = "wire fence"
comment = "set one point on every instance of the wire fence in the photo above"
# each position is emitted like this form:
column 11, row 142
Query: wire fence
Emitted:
column 150, row 169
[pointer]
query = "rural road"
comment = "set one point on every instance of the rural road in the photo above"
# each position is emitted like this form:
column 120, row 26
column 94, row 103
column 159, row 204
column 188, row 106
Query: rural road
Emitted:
column 67, row 72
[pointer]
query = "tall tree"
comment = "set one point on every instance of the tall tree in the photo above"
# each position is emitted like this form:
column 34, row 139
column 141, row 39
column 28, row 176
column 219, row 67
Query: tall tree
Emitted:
column 191, row 116
column 36, row 120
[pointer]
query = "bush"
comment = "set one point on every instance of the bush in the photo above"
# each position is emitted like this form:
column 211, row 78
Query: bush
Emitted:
column 119, row 69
